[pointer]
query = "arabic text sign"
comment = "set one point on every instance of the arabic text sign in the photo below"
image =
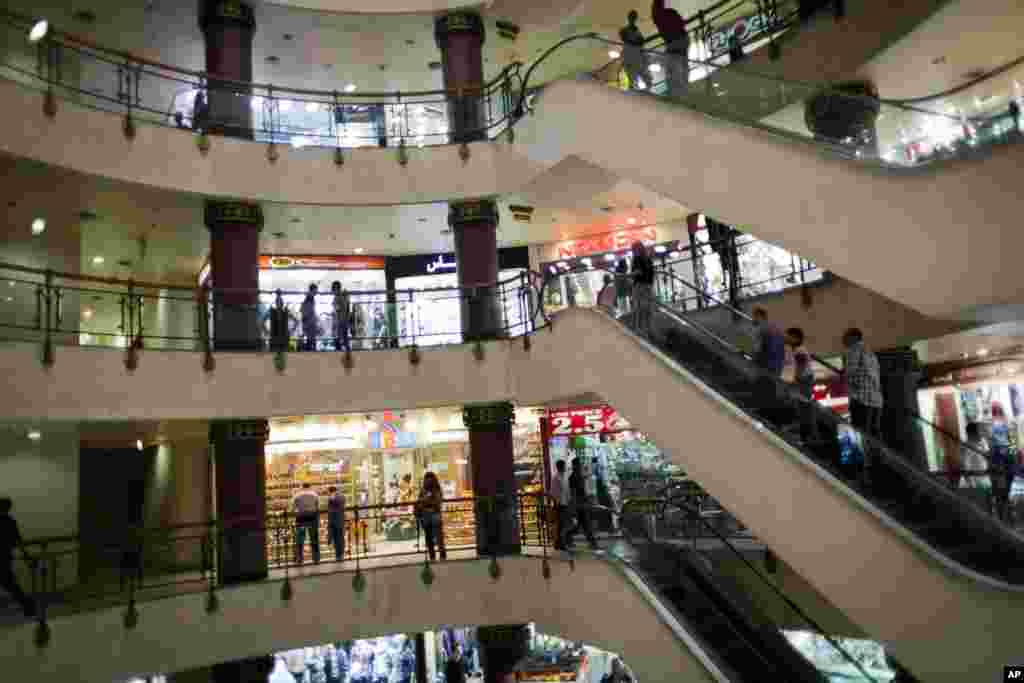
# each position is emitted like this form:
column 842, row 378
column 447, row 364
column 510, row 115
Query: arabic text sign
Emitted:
column 585, row 421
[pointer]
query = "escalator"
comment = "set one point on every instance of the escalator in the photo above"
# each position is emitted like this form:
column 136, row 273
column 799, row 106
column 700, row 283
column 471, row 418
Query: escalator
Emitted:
column 718, row 610
column 859, row 209
column 908, row 561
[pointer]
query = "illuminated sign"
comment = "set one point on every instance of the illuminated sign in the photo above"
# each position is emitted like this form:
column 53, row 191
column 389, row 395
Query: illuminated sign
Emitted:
column 743, row 29
column 594, row 420
column 611, row 241
column 440, row 264
column 330, row 262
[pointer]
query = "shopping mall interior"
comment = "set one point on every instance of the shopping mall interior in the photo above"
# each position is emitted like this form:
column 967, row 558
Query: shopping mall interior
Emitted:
column 435, row 341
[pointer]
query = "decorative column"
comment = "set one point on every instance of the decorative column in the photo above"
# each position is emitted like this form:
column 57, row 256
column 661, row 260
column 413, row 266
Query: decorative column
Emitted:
column 474, row 226
column 502, row 648
column 490, row 455
column 460, row 37
column 241, row 498
column 228, row 28
column 235, row 268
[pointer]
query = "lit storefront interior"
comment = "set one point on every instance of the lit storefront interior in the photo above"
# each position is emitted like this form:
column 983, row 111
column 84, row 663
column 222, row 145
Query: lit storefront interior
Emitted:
column 379, row 459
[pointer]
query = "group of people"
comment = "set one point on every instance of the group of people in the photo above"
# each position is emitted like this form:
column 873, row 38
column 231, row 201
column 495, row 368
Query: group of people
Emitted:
column 988, row 466
column 672, row 27
column 343, row 320
column 631, row 289
column 573, row 506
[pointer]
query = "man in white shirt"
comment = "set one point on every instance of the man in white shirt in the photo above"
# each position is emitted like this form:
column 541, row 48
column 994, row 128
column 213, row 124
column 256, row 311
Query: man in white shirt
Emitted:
column 306, row 505
column 563, row 499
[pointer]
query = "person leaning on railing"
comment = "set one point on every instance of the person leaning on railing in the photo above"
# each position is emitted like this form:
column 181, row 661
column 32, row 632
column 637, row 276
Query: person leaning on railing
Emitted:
column 428, row 511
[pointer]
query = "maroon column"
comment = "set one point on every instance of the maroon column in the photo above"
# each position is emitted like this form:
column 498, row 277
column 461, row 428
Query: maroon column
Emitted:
column 460, row 37
column 494, row 482
column 474, row 226
column 228, row 28
column 241, row 498
column 235, row 268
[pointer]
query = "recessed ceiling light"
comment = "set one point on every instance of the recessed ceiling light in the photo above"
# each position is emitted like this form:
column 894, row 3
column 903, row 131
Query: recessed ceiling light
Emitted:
column 38, row 226
column 10, row 283
column 359, row 250
column 982, row 352
column 97, row 260
column 38, row 31
column 655, row 68
column 614, row 54
column 351, row 87
column 9, row 299
column 312, row 107
column 284, row 105
column 138, row 444
column 87, row 313
column 631, row 221
column 35, row 435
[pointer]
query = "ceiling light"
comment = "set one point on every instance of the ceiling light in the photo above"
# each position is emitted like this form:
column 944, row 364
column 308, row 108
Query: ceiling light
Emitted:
column 359, row 250
column 655, row 68
column 966, row 355
column 38, row 31
column 312, row 107
column 614, row 54
column 35, row 435
column 631, row 221
column 38, row 226
column 9, row 299
column 351, row 87
column 660, row 249
column 97, row 260
column 138, row 444
column 285, row 105
column 87, row 313
column 10, row 283
column 982, row 352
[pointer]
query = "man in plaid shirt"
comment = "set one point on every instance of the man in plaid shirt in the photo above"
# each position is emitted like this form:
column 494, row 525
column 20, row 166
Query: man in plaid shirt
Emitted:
column 864, row 383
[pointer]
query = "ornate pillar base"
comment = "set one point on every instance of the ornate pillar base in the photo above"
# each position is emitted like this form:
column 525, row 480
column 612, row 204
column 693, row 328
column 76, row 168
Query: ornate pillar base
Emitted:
column 234, row 262
column 475, row 227
column 240, row 467
column 491, row 462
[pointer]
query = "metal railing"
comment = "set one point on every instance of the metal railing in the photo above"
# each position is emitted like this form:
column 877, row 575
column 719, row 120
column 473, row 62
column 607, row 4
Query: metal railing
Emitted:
column 55, row 308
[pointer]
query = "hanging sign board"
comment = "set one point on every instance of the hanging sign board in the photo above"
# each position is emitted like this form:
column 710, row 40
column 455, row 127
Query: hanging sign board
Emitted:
column 593, row 420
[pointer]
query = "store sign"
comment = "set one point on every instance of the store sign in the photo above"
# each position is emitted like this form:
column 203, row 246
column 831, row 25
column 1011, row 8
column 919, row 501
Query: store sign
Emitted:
column 439, row 265
column 330, row 262
column 743, row 29
column 612, row 241
column 573, row 421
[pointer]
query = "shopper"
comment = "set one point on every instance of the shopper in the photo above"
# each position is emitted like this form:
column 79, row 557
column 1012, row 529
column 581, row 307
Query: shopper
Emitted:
column 1014, row 111
column 634, row 59
column 623, row 286
column 606, row 297
column 1003, row 462
column 336, row 521
column 562, row 496
column 643, row 288
column 455, row 667
column 672, row 28
column 770, row 351
column 342, row 316
column 617, row 674
column 581, row 503
column 279, row 321
column 428, row 510
column 10, row 540
column 803, row 378
column 310, row 320
column 864, row 385
column 973, row 474
column 306, row 505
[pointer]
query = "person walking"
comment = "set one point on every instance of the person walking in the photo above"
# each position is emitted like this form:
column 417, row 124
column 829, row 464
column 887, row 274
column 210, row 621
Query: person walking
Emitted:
column 672, row 28
column 1014, row 111
column 803, row 378
column 864, row 385
column 643, row 288
column 770, row 352
column 310, row 320
column 562, row 495
column 634, row 59
column 279, row 321
column 10, row 540
column 455, row 667
column 336, row 521
column 306, row 505
column 1003, row 464
column 581, row 503
column 342, row 305
column 623, row 286
column 428, row 509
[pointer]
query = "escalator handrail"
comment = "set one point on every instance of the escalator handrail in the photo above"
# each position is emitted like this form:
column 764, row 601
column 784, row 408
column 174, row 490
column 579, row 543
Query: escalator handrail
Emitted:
column 694, row 513
column 922, row 482
column 819, row 360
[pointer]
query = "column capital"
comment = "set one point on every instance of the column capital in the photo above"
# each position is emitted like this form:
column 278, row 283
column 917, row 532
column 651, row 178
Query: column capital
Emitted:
column 226, row 13
column 488, row 415
column 458, row 22
column 472, row 211
column 218, row 212
column 239, row 430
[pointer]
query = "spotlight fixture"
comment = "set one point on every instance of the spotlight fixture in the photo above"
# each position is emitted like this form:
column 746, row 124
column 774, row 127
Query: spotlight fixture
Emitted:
column 38, row 226
column 38, row 31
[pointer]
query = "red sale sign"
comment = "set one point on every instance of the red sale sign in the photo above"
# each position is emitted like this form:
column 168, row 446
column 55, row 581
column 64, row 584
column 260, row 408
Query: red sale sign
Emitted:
column 594, row 420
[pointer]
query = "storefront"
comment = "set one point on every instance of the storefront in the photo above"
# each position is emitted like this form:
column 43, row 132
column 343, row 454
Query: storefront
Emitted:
column 379, row 459
column 435, row 317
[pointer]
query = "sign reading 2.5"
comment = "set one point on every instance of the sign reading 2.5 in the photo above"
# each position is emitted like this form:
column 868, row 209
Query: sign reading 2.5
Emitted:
column 585, row 421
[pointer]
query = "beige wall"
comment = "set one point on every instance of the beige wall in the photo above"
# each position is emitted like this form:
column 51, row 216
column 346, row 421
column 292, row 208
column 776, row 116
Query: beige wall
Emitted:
column 596, row 603
column 178, row 493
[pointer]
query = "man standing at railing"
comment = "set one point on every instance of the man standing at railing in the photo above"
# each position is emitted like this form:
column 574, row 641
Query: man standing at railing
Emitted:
column 634, row 59
column 10, row 539
column 672, row 28
column 864, row 383
column 307, row 520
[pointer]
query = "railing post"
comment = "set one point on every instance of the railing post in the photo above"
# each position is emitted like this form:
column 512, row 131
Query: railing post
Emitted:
column 48, row 358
